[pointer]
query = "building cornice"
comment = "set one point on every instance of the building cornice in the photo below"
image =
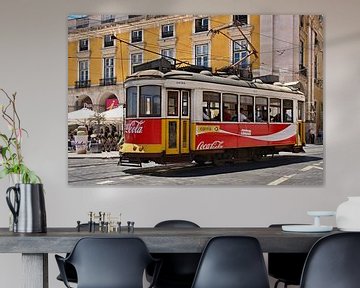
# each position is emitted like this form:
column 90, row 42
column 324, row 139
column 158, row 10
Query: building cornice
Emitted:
column 120, row 27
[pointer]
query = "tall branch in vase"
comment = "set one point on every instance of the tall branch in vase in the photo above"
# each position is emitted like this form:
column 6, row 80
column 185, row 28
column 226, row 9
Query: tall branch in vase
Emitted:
column 12, row 161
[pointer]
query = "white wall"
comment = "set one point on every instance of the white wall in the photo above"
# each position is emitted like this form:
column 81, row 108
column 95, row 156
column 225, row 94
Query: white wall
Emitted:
column 33, row 62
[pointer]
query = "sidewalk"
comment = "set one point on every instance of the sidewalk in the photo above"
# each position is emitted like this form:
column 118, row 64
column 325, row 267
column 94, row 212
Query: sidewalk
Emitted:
column 104, row 155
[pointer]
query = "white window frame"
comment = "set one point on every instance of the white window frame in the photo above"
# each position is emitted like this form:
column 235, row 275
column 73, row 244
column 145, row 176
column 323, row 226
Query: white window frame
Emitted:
column 138, row 31
column 113, row 42
column 167, row 25
column 138, row 55
column 83, row 70
column 202, row 55
column 202, row 19
column 242, row 53
column 247, row 18
column 109, row 68
column 88, row 45
column 165, row 53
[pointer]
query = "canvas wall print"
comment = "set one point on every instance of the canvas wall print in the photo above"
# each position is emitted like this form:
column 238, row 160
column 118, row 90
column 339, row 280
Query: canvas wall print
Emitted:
column 195, row 100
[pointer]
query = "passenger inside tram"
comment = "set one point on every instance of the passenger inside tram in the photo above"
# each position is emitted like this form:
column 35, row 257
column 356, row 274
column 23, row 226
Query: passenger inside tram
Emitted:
column 226, row 114
column 243, row 117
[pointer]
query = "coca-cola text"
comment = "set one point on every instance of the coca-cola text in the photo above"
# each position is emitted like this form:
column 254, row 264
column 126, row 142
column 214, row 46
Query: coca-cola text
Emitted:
column 134, row 127
column 214, row 145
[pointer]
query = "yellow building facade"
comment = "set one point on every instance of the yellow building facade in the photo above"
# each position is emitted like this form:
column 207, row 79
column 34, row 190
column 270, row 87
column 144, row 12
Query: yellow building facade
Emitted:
column 188, row 38
column 285, row 48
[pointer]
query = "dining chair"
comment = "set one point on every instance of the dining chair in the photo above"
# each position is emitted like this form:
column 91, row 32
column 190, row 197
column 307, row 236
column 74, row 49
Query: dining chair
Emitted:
column 285, row 267
column 69, row 269
column 177, row 269
column 231, row 262
column 333, row 262
column 108, row 263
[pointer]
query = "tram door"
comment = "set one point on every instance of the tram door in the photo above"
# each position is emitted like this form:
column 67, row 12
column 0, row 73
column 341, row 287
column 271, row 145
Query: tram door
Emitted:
column 177, row 122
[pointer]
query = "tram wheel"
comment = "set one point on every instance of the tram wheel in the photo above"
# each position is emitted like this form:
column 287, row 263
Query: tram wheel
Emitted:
column 201, row 161
column 257, row 155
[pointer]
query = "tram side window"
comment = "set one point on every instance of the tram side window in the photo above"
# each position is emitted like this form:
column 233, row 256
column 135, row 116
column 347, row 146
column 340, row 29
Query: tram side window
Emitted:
column 131, row 102
column 301, row 110
column 185, row 103
column 275, row 110
column 230, row 107
column 246, row 109
column 150, row 101
column 173, row 103
column 288, row 111
column 261, row 111
column 211, row 106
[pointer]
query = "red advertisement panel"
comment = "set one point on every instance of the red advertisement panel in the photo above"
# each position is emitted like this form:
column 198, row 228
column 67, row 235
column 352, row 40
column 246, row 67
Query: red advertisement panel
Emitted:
column 143, row 131
column 218, row 136
column 111, row 104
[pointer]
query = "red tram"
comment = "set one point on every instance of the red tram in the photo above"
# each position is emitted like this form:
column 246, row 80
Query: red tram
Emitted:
column 184, row 116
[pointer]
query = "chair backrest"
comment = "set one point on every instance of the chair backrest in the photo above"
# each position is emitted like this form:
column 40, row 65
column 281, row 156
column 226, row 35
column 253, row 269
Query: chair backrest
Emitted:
column 110, row 262
column 178, row 269
column 333, row 262
column 232, row 262
column 287, row 267
column 176, row 224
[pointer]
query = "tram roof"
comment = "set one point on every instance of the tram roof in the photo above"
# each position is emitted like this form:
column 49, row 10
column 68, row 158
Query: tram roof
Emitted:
column 206, row 76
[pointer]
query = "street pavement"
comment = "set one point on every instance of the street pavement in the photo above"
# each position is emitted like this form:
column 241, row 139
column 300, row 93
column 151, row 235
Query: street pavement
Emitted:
column 285, row 169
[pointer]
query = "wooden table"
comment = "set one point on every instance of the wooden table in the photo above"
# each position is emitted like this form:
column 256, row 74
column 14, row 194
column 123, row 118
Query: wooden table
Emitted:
column 35, row 247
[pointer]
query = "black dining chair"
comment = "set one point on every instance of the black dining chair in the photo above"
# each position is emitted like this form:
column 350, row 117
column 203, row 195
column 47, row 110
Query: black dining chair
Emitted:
column 69, row 269
column 177, row 269
column 333, row 262
column 285, row 267
column 108, row 263
column 232, row 262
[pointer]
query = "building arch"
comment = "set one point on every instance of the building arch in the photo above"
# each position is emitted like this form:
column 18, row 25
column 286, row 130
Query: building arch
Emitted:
column 83, row 101
column 80, row 101
column 108, row 100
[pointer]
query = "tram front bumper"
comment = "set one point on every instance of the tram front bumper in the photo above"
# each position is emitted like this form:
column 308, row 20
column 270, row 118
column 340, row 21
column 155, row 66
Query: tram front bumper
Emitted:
column 131, row 148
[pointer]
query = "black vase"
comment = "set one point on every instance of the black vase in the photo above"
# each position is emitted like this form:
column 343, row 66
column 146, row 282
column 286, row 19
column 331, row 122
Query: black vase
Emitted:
column 27, row 207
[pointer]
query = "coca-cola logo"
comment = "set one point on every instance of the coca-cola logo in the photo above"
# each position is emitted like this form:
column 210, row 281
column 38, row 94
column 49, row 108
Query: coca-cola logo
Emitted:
column 134, row 127
column 214, row 145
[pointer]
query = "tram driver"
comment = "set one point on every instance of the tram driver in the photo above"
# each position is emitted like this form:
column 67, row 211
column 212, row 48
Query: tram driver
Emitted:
column 206, row 114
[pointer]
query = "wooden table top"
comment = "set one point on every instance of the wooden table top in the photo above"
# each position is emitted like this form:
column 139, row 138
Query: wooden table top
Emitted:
column 158, row 240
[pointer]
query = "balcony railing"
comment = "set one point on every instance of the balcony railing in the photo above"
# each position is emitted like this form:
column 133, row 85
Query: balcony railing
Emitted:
column 109, row 20
column 83, row 48
column 82, row 84
column 109, row 43
column 166, row 34
column 201, row 28
column 135, row 39
column 108, row 81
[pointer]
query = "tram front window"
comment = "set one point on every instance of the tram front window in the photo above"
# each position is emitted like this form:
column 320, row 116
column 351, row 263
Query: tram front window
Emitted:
column 131, row 101
column 275, row 110
column 288, row 111
column 150, row 101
